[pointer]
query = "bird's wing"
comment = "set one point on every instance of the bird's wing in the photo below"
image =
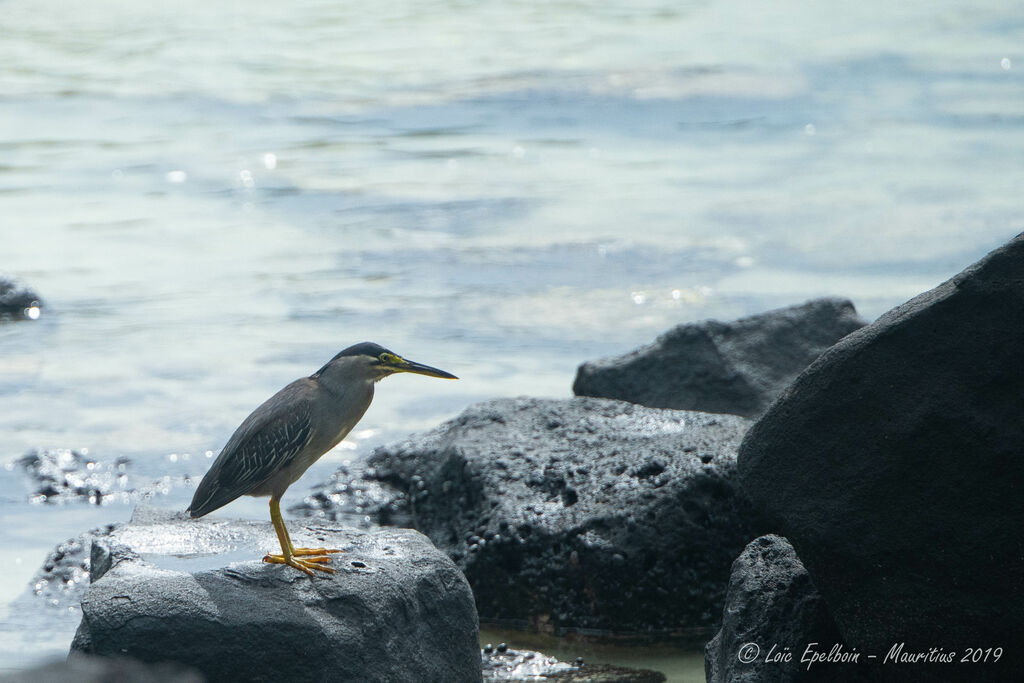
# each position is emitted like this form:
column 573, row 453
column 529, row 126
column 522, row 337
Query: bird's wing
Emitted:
column 266, row 442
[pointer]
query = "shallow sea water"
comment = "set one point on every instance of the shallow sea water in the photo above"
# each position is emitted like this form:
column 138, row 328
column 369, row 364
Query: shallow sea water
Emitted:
column 214, row 198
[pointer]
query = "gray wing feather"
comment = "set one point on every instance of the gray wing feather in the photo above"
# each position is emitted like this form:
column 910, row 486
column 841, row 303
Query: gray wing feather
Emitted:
column 267, row 442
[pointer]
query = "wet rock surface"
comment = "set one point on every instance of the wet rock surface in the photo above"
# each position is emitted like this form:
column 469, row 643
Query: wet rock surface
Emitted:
column 167, row 588
column 18, row 302
column 585, row 515
column 735, row 367
column 773, row 604
column 83, row 669
column 895, row 467
column 526, row 665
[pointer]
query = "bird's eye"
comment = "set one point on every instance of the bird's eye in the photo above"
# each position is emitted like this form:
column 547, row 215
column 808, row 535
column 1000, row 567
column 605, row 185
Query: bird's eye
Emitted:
column 387, row 358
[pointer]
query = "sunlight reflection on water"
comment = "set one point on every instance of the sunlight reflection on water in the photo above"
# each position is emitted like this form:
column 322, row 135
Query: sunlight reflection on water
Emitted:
column 213, row 199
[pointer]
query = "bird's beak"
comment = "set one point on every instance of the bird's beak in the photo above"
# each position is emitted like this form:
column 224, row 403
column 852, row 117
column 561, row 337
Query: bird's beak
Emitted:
column 403, row 365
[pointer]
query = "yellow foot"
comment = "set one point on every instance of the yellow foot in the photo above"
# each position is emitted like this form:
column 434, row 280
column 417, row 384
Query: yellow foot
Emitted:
column 307, row 564
column 302, row 552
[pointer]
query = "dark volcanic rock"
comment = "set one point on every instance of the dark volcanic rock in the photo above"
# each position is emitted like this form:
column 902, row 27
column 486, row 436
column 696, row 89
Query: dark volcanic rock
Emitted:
column 18, row 302
column 83, row 669
column 581, row 514
column 737, row 367
column 895, row 467
column 772, row 604
column 526, row 665
column 396, row 610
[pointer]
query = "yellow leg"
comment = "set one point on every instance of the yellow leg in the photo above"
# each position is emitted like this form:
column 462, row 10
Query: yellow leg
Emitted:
column 312, row 558
column 303, row 552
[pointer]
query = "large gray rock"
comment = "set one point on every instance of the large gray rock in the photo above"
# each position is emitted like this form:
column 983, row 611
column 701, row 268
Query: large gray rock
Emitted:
column 773, row 609
column 734, row 367
column 584, row 514
column 895, row 467
column 396, row 610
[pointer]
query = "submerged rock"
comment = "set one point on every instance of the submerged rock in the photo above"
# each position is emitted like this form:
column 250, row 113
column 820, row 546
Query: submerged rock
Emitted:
column 527, row 665
column 60, row 476
column 18, row 302
column 63, row 475
column 734, row 367
column 582, row 514
column 64, row 576
column 895, row 467
column 165, row 589
column 772, row 609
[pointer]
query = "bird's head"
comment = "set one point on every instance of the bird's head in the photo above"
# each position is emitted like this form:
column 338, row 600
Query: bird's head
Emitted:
column 371, row 362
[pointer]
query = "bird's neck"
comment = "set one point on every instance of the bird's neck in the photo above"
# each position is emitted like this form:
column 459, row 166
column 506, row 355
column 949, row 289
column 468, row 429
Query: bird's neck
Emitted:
column 341, row 387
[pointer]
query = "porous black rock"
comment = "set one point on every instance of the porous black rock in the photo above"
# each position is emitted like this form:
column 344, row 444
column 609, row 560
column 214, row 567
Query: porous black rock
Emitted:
column 772, row 609
column 734, row 367
column 895, row 467
column 583, row 514
column 163, row 590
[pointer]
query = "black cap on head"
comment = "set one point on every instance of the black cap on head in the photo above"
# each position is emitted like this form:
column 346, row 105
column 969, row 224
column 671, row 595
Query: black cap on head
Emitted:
column 363, row 349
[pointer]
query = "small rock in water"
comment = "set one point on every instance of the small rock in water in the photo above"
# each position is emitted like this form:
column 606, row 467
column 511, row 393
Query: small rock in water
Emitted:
column 771, row 599
column 64, row 475
column 18, row 302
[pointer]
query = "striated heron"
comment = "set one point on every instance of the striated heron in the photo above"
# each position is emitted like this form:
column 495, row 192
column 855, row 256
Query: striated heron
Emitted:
column 290, row 431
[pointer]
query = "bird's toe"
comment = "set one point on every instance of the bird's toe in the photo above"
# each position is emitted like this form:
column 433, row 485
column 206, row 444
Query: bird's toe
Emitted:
column 306, row 564
column 302, row 552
